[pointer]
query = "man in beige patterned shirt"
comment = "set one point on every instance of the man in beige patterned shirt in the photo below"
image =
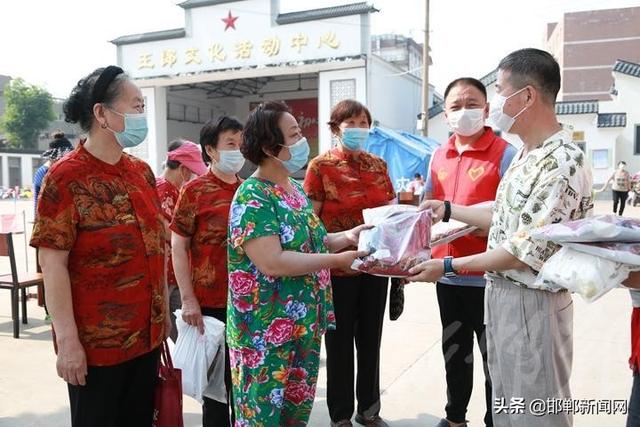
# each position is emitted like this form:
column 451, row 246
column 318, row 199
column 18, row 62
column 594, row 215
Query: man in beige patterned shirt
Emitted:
column 529, row 331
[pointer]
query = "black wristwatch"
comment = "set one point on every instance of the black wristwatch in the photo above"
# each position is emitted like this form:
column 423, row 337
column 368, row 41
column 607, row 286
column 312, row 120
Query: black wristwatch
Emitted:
column 448, row 267
column 447, row 211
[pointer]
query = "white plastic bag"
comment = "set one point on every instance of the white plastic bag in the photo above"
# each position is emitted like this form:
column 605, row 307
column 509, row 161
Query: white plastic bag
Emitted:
column 585, row 274
column 194, row 355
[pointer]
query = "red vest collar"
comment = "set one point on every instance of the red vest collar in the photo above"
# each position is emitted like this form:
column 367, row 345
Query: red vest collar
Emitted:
column 481, row 144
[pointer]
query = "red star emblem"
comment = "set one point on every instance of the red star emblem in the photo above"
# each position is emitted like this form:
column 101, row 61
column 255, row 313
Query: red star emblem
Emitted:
column 230, row 21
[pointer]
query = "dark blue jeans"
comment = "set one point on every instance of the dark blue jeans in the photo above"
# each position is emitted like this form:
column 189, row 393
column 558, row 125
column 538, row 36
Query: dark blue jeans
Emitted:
column 633, row 419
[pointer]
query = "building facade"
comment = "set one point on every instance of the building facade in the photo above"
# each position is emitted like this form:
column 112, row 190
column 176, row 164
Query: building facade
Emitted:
column 232, row 55
column 401, row 51
column 587, row 44
column 17, row 167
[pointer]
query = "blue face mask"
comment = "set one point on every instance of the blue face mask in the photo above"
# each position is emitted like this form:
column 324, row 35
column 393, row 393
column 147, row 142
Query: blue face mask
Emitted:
column 135, row 129
column 299, row 155
column 354, row 138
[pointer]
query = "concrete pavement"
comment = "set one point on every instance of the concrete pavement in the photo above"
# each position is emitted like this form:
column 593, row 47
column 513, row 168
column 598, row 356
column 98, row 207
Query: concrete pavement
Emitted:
column 412, row 371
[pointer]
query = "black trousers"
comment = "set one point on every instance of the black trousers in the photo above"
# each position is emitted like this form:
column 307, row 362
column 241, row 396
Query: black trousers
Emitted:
column 214, row 413
column 116, row 396
column 462, row 316
column 359, row 304
column 619, row 197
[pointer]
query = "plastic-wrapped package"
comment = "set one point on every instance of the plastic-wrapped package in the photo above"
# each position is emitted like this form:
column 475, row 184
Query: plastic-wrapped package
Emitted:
column 445, row 232
column 625, row 253
column 398, row 241
column 588, row 275
column 600, row 228
column 195, row 354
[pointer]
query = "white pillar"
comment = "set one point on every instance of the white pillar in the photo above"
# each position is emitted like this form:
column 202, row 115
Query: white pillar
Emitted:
column 5, row 170
column 154, row 149
column 27, row 177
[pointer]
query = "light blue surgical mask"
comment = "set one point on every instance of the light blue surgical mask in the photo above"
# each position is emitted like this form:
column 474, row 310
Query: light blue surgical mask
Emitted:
column 231, row 161
column 135, row 129
column 354, row 138
column 299, row 155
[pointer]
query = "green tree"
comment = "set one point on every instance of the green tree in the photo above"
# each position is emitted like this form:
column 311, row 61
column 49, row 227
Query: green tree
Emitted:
column 29, row 110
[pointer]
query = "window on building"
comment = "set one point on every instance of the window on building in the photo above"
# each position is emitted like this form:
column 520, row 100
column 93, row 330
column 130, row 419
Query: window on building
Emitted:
column 341, row 90
column 15, row 171
column 600, row 159
column 636, row 144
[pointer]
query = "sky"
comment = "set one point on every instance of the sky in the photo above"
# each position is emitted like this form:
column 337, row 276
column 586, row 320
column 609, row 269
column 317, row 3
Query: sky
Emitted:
column 55, row 43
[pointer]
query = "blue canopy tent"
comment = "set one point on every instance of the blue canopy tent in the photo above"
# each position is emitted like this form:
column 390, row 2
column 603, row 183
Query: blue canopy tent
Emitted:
column 406, row 154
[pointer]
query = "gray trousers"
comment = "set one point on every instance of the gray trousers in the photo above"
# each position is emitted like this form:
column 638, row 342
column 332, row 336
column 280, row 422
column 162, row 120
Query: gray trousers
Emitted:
column 530, row 349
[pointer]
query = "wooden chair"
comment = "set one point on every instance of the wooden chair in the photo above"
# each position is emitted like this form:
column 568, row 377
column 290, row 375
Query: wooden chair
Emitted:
column 17, row 282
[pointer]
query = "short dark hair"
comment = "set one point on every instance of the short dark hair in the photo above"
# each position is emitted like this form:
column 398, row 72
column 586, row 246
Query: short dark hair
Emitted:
column 58, row 134
column 417, row 175
column 261, row 131
column 622, row 162
column 174, row 145
column 78, row 108
column 533, row 67
column 211, row 131
column 344, row 110
column 466, row 81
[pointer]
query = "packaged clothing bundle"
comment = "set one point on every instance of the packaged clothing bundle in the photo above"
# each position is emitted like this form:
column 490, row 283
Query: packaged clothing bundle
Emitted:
column 399, row 240
column 588, row 275
column 600, row 228
column 597, row 255
column 622, row 252
column 446, row 232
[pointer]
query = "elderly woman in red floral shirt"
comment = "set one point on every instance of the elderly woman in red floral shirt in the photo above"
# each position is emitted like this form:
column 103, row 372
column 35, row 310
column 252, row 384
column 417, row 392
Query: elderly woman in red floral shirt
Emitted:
column 341, row 183
column 100, row 236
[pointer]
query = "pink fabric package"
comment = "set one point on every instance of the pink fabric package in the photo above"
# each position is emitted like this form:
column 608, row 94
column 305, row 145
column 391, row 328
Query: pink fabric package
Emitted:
column 399, row 240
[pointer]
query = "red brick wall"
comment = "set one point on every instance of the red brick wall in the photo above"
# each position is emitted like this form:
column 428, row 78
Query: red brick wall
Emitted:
column 602, row 53
column 602, row 24
column 593, row 26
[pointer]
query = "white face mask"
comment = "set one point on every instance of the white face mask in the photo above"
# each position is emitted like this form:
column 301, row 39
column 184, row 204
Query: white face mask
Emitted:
column 466, row 122
column 497, row 116
column 230, row 163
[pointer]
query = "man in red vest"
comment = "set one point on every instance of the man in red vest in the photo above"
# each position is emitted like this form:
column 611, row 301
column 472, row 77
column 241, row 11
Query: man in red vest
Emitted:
column 466, row 170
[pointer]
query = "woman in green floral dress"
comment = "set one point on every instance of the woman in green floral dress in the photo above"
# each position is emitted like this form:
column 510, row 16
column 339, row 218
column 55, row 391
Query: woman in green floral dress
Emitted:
column 280, row 299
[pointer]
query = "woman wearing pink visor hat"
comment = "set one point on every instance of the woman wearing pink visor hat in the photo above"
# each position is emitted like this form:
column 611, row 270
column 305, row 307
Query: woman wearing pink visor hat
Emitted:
column 189, row 156
column 183, row 161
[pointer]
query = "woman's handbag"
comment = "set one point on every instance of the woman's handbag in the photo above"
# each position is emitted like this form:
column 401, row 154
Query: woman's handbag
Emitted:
column 168, row 399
